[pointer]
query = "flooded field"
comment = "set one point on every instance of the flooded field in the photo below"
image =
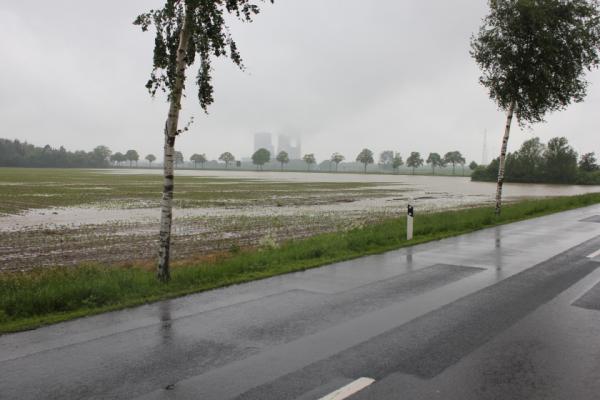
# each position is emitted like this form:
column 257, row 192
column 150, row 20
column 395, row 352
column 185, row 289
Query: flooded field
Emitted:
column 66, row 217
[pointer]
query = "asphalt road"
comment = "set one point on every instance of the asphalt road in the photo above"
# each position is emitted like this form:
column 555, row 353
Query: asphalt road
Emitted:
column 506, row 313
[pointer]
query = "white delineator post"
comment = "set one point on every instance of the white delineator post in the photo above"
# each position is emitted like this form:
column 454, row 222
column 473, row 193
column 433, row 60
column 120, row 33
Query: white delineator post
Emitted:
column 409, row 221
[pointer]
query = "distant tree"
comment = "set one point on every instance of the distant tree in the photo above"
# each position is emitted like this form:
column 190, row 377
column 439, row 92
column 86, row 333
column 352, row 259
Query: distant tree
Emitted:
column 397, row 162
column 151, row 158
column 238, row 164
column 261, row 157
column 118, row 158
column 386, row 158
column 588, row 162
column 337, row 158
column 101, row 155
column 365, row 157
column 561, row 160
column 227, row 157
column 187, row 33
column 528, row 163
column 534, row 55
column 473, row 165
column 202, row 160
column 283, row 158
column 435, row 160
column 454, row 157
column 414, row 161
column 198, row 158
column 14, row 153
column 178, row 158
column 309, row 159
column 132, row 156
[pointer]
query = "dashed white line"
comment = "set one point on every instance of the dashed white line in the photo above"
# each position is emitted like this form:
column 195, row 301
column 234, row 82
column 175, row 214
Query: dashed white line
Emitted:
column 349, row 389
column 594, row 254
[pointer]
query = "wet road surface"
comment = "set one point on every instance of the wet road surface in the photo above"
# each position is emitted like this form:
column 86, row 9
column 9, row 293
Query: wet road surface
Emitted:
column 505, row 313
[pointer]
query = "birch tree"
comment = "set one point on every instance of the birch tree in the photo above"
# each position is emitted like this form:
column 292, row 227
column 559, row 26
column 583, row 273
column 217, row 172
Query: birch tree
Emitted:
column 186, row 31
column 534, row 55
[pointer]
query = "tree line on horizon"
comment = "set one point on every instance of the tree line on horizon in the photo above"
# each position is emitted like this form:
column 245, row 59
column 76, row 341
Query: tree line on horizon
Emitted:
column 536, row 162
column 387, row 159
column 14, row 153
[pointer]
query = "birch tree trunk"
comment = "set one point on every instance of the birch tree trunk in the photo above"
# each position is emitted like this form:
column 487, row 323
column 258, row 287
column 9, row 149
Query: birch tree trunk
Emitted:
column 166, row 204
column 502, row 162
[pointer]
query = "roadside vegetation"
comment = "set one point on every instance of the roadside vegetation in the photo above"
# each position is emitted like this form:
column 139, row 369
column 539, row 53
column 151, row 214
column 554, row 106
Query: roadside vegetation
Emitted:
column 44, row 296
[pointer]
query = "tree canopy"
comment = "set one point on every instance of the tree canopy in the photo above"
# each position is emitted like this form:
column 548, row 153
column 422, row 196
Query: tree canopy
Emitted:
column 535, row 162
column 397, row 162
column 14, row 153
column 283, row 158
column 534, row 53
column 131, row 156
column 454, row 157
column 365, row 157
column 208, row 37
column 337, row 158
column 198, row 158
column 261, row 157
column 588, row 162
column 178, row 157
column 435, row 160
column 227, row 158
column 309, row 159
column 386, row 157
column 414, row 161
column 150, row 158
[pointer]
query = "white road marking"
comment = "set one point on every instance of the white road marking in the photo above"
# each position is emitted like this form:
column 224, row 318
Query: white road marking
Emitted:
column 594, row 254
column 349, row 389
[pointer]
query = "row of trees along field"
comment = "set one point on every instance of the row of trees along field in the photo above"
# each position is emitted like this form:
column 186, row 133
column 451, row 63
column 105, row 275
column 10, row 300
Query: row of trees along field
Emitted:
column 536, row 162
column 14, row 153
column 533, row 56
column 388, row 160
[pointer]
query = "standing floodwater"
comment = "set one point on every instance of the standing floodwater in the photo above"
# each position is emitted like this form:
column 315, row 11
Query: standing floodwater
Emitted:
column 65, row 217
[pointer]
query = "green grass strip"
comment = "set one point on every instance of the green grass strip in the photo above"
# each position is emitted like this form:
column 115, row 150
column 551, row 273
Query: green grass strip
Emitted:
column 44, row 296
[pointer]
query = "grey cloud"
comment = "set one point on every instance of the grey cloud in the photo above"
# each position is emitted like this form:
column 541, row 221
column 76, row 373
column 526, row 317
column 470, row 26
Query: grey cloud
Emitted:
column 345, row 74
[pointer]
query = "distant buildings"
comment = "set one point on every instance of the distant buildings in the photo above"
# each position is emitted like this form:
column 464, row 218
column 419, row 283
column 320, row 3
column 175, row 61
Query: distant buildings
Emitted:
column 287, row 143
column 262, row 140
column 290, row 145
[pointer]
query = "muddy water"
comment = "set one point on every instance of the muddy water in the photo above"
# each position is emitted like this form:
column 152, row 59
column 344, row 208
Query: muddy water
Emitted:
column 117, row 233
column 426, row 192
column 442, row 184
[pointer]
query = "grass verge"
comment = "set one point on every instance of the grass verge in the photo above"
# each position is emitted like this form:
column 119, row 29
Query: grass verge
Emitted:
column 29, row 300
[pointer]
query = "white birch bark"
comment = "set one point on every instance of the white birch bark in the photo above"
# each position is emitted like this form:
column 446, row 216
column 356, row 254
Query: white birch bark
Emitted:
column 502, row 160
column 171, row 126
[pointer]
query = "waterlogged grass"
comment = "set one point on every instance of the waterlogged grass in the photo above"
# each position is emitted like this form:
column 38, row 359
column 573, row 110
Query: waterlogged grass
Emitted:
column 28, row 300
column 33, row 188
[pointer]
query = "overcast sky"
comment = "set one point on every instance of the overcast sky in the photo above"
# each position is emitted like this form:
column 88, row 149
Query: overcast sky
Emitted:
column 343, row 74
